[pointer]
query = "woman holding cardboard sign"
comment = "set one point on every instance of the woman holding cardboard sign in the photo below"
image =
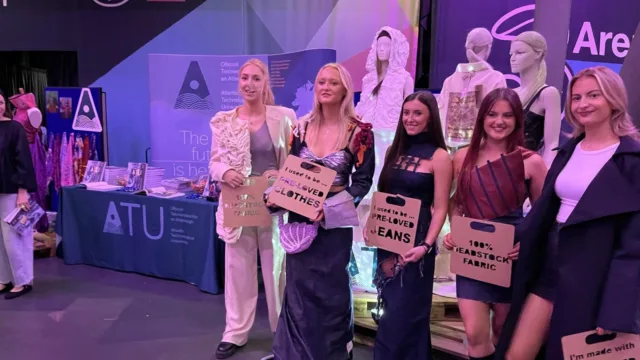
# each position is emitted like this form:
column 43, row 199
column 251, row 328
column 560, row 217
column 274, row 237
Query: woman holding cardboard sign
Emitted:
column 417, row 166
column 249, row 141
column 315, row 322
column 494, row 177
column 579, row 267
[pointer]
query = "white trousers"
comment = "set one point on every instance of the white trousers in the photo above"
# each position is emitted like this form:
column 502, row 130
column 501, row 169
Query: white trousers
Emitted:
column 241, row 282
column 16, row 250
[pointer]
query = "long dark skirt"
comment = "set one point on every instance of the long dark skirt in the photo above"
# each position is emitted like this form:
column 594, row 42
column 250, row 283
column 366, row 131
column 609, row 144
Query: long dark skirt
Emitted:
column 403, row 330
column 315, row 321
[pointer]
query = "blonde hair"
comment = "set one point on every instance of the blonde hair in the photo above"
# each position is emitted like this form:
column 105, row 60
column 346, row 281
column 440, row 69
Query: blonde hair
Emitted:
column 267, row 94
column 347, row 110
column 614, row 92
column 538, row 43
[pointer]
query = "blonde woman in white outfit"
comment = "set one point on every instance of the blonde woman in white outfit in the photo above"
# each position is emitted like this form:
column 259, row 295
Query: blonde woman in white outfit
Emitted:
column 249, row 140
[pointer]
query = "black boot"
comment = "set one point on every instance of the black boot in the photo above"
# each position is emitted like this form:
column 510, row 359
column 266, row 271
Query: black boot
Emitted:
column 226, row 350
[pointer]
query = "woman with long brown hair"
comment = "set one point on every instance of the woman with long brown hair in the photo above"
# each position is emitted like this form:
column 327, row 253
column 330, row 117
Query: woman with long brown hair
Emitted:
column 580, row 255
column 494, row 176
column 417, row 166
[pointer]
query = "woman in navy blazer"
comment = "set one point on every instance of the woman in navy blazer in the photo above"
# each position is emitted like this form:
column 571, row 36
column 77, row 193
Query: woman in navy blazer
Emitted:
column 579, row 262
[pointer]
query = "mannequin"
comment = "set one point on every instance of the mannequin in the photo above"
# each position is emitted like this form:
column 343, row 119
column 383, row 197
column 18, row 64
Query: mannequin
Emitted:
column 463, row 91
column 28, row 115
column 541, row 103
column 384, row 88
column 381, row 100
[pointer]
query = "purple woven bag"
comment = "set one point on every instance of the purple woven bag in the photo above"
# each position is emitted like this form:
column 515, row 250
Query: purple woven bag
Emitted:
column 296, row 237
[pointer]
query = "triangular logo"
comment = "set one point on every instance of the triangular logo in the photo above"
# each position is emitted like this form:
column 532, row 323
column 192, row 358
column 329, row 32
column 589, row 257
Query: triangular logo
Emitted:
column 194, row 93
column 86, row 118
column 112, row 223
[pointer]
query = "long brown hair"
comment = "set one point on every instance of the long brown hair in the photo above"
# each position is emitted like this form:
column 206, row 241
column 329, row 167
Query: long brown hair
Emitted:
column 514, row 140
column 7, row 106
column 401, row 139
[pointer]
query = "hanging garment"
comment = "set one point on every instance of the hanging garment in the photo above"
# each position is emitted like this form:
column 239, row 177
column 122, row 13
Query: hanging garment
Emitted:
column 57, row 160
column 50, row 146
column 86, row 150
column 78, row 148
column 39, row 166
column 66, row 162
column 94, row 150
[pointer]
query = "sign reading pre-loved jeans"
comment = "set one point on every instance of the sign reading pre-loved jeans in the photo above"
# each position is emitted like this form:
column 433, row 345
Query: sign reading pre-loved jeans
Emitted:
column 187, row 90
column 167, row 238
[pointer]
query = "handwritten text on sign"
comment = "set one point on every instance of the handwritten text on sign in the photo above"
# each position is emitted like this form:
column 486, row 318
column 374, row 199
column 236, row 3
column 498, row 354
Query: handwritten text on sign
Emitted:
column 392, row 223
column 302, row 186
column 482, row 249
column 243, row 205
column 589, row 345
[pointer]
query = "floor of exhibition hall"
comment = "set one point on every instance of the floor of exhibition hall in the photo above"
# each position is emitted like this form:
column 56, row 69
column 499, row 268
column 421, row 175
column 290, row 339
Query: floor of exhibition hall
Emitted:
column 82, row 312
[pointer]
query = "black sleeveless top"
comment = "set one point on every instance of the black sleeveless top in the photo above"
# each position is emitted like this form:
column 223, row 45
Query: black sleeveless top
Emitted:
column 533, row 125
column 404, row 180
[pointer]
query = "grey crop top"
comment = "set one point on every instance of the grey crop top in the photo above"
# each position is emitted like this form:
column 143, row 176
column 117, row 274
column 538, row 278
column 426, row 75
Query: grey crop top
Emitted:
column 263, row 155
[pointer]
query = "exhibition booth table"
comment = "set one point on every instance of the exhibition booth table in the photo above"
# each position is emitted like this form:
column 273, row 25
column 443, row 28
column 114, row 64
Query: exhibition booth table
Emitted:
column 171, row 238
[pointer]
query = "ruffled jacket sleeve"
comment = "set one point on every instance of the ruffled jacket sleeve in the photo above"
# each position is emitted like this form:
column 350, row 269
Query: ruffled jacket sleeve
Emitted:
column 24, row 177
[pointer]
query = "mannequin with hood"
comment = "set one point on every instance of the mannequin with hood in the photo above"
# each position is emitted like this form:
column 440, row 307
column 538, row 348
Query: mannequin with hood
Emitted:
column 30, row 117
column 541, row 102
column 463, row 91
column 384, row 88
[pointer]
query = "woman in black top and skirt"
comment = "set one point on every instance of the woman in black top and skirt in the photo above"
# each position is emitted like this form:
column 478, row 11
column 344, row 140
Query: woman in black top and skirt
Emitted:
column 418, row 166
column 17, row 180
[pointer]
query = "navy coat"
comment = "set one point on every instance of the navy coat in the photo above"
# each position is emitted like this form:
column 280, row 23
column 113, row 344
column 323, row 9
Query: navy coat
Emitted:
column 598, row 282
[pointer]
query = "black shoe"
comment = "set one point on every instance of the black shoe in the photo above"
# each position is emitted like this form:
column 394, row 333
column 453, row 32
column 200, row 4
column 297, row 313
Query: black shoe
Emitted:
column 226, row 350
column 12, row 295
column 7, row 287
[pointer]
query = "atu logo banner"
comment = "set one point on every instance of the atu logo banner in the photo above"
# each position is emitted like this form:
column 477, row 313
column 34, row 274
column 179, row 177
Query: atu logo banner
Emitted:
column 600, row 33
column 186, row 91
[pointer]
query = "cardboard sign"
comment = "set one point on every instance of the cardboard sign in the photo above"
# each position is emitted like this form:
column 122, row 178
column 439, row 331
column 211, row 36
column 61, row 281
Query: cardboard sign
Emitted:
column 393, row 222
column 302, row 186
column 244, row 205
column 482, row 249
column 590, row 345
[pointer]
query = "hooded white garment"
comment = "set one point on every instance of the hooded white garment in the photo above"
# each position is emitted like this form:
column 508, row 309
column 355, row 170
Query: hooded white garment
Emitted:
column 383, row 110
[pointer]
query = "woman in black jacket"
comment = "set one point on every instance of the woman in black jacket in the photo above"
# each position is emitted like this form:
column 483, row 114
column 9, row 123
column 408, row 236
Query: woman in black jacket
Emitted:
column 579, row 262
column 17, row 180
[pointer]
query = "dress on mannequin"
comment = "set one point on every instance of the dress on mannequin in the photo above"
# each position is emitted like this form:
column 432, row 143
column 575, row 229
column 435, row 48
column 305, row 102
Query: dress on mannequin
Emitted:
column 463, row 91
column 28, row 115
column 384, row 88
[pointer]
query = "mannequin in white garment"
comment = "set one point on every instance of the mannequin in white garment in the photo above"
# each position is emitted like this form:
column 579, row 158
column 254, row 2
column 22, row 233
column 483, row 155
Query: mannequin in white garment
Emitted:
column 384, row 88
column 387, row 82
column 542, row 118
column 463, row 91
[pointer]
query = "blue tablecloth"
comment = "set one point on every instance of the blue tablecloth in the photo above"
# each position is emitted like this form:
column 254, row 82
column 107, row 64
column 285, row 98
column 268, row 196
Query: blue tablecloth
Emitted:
column 168, row 238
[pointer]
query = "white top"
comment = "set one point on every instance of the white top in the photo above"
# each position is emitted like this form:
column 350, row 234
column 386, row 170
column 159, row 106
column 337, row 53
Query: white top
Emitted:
column 574, row 179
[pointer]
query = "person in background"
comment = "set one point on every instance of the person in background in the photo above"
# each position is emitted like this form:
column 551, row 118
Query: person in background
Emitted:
column 494, row 176
column 579, row 267
column 17, row 180
column 249, row 140
column 417, row 165
column 316, row 317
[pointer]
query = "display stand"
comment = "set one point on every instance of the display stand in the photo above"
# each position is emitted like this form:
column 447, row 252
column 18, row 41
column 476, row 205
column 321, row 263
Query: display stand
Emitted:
column 64, row 105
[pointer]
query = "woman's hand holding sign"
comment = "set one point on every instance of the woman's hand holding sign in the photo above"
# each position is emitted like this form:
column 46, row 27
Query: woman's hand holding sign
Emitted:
column 448, row 242
column 513, row 254
column 319, row 217
column 233, row 178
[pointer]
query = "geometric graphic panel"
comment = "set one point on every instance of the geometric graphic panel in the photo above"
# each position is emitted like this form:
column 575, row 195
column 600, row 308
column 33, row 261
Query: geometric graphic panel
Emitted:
column 86, row 118
column 194, row 93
